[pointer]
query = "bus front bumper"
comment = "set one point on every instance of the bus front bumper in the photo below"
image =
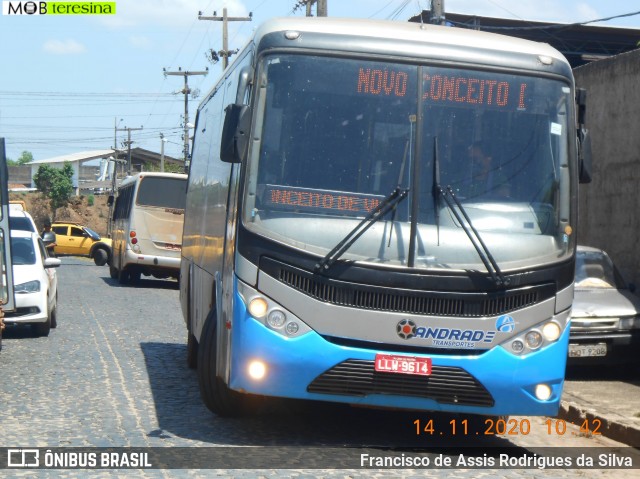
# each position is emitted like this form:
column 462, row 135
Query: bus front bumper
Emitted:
column 494, row 382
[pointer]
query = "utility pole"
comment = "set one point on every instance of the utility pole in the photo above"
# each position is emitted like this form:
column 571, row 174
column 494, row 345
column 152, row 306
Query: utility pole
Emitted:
column 321, row 7
column 186, row 91
column 162, row 142
column 128, row 144
column 115, row 146
column 437, row 12
column 225, row 53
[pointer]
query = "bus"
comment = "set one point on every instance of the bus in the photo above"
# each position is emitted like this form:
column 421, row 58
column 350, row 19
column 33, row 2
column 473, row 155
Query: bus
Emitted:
column 333, row 249
column 146, row 229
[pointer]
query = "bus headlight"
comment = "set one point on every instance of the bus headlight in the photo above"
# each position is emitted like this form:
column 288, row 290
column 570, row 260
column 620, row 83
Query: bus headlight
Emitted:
column 551, row 331
column 292, row 328
column 517, row 346
column 258, row 307
column 533, row 339
column 276, row 318
column 272, row 315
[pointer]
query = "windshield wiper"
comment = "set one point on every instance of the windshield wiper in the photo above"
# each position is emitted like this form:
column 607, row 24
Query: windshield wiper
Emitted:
column 483, row 251
column 386, row 205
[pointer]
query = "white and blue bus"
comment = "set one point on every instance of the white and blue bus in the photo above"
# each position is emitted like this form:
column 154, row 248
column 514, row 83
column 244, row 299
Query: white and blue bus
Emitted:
column 338, row 244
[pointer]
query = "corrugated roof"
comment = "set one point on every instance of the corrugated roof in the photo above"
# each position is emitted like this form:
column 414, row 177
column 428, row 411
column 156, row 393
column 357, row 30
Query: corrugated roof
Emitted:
column 72, row 157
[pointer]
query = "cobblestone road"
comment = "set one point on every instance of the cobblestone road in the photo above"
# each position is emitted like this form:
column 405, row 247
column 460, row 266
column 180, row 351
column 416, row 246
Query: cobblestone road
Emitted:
column 114, row 374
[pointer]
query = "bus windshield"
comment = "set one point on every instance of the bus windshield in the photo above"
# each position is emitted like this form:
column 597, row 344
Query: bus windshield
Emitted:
column 339, row 135
column 162, row 192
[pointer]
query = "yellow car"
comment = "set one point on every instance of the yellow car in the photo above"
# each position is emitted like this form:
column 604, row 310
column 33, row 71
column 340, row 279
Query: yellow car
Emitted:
column 77, row 240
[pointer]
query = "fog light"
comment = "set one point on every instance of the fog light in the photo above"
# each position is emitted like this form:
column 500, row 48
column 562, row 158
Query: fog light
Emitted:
column 257, row 369
column 292, row 328
column 543, row 392
column 517, row 346
column 551, row 331
column 258, row 307
column 533, row 339
column 276, row 318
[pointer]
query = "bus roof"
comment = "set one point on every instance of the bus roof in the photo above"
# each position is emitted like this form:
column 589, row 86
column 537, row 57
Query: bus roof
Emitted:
column 408, row 32
column 133, row 178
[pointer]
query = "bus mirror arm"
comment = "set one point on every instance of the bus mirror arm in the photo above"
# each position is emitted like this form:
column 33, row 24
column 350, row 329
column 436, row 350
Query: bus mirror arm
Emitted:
column 584, row 157
column 235, row 133
column 584, row 139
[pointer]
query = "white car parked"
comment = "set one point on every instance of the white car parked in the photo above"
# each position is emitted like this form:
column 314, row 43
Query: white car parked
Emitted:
column 21, row 220
column 36, row 283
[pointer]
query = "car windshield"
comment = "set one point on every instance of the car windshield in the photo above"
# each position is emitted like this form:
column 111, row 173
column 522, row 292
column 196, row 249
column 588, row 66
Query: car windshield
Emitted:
column 92, row 233
column 22, row 251
column 594, row 269
column 20, row 223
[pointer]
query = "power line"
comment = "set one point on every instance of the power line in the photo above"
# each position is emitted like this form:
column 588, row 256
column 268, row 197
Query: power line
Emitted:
column 552, row 26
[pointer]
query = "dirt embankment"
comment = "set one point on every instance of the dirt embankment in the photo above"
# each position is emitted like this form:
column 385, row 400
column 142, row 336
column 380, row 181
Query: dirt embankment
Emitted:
column 90, row 210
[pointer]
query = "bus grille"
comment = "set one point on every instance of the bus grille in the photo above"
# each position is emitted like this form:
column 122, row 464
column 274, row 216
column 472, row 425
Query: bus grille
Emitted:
column 411, row 301
column 446, row 385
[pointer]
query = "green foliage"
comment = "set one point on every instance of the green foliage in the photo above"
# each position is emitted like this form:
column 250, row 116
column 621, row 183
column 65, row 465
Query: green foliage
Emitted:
column 55, row 183
column 168, row 167
column 25, row 157
column 90, row 200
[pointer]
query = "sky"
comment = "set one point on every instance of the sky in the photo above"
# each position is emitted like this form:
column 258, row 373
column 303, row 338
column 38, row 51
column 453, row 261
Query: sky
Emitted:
column 67, row 81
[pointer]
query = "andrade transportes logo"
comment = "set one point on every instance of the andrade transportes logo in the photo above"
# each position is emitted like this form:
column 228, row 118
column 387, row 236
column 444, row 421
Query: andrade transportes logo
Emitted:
column 58, row 8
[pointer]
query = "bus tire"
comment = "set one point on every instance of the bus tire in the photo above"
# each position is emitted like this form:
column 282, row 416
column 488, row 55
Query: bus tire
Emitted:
column 134, row 276
column 215, row 394
column 192, row 351
column 123, row 276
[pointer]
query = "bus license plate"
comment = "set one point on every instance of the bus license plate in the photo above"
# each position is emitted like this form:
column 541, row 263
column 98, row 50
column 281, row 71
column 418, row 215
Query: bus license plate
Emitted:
column 388, row 363
column 587, row 350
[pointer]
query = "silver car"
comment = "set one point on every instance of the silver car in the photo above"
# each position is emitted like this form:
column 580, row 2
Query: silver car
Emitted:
column 605, row 320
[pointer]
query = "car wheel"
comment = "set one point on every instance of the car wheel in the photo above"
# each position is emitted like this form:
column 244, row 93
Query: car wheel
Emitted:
column 54, row 318
column 100, row 257
column 113, row 272
column 42, row 329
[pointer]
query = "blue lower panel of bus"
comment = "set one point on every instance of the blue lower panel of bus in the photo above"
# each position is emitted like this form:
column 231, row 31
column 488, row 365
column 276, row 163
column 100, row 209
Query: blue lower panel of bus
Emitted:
column 310, row 367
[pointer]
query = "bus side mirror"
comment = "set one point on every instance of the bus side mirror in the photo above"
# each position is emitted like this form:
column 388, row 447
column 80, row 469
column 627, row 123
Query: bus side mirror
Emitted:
column 584, row 156
column 235, row 133
column 110, row 200
column 584, row 139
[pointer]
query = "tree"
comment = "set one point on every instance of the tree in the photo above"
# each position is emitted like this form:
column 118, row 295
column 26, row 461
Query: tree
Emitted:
column 24, row 158
column 55, row 184
column 168, row 167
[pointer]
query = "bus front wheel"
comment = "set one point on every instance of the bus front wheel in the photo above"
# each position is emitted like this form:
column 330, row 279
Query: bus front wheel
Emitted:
column 214, row 392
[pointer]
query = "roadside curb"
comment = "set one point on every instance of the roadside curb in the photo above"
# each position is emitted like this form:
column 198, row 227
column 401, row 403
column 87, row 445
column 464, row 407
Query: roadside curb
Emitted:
column 611, row 428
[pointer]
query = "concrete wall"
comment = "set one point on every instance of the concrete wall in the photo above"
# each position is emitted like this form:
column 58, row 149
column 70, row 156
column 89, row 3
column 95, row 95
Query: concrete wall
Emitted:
column 610, row 205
